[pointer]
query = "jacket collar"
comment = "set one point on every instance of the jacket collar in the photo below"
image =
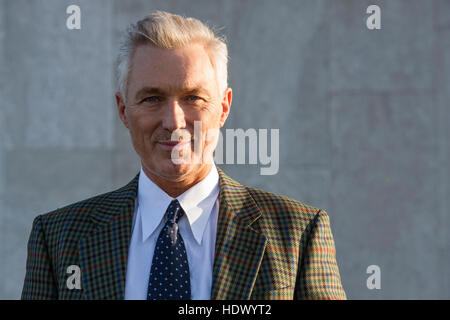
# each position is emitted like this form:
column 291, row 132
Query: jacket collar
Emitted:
column 239, row 245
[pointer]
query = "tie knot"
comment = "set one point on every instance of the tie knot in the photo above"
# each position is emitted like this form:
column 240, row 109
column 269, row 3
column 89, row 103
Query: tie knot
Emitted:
column 174, row 212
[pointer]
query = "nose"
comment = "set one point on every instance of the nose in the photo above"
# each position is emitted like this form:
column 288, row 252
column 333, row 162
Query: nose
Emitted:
column 173, row 116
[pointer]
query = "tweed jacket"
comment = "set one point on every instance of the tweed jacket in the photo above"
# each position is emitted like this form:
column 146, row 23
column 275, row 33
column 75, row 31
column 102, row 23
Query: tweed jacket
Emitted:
column 267, row 247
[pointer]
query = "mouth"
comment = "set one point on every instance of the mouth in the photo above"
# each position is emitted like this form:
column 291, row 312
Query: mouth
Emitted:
column 170, row 145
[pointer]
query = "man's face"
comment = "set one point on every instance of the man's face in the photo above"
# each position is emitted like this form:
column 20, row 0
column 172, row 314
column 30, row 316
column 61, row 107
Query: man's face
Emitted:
column 167, row 91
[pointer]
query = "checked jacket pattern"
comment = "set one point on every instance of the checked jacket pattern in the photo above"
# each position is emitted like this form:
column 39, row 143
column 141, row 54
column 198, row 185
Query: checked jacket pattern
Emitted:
column 268, row 246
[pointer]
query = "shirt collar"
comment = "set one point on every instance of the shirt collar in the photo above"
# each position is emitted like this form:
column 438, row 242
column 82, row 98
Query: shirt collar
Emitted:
column 197, row 202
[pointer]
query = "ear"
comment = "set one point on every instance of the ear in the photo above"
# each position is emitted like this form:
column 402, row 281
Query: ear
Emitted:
column 121, row 108
column 226, row 105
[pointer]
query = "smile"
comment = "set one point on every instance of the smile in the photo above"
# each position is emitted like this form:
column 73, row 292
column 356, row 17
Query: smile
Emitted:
column 169, row 145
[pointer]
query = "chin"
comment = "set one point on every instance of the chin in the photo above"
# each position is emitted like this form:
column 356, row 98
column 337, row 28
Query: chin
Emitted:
column 165, row 168
column 172, row 171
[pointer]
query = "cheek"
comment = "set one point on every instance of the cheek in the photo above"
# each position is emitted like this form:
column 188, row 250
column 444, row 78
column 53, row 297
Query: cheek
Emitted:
column 210, row 133
column 142, row 127
column 209, row 120
column 211, row 117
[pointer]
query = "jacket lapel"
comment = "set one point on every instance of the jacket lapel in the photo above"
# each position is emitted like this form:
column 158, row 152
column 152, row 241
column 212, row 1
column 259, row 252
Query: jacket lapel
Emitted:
column 239, row 246
column 104, row 252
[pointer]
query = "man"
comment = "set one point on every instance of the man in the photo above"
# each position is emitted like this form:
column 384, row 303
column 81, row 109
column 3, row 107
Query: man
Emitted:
column 181, row 229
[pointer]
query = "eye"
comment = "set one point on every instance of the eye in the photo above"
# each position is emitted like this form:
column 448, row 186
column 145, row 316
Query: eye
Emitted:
column 152, row 99
column 193, row 98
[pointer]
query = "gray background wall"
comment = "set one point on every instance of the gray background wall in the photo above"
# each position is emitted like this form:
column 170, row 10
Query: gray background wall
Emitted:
column 363, row 121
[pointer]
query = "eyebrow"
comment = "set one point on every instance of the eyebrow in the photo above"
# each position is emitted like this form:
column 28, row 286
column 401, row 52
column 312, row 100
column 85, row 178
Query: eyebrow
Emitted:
column 148, row 90
column 158, row 91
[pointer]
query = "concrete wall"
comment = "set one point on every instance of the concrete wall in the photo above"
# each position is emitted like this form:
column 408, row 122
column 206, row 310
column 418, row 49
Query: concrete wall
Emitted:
column 363, row 121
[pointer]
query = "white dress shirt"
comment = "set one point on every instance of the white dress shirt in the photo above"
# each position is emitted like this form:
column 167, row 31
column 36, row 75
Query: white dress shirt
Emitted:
column 197, row 227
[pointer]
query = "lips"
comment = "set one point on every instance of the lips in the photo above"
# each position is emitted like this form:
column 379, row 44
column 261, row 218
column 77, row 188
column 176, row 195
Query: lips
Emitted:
column 169, row 145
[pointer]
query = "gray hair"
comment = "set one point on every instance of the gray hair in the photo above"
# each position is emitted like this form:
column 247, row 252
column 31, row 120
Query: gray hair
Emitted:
column 170, row 31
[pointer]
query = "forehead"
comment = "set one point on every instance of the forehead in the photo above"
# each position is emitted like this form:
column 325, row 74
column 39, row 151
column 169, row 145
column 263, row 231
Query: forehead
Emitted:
column 181, row 68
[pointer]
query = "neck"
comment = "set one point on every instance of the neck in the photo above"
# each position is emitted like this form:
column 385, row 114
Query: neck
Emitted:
column 176, row 187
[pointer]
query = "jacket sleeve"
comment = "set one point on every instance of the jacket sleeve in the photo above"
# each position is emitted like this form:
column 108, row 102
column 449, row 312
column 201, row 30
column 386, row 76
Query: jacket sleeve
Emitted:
column 318, row 277
column 39, row 278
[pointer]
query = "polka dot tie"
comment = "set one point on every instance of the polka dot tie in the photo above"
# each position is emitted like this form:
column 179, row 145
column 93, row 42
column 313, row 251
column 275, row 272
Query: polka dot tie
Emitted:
column 169, row 275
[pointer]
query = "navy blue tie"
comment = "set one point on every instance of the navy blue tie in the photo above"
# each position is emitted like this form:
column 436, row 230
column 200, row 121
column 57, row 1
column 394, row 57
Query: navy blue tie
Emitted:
column 169, row 275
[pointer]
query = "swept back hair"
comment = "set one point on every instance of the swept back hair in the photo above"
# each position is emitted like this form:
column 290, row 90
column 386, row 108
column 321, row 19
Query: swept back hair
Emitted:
column 171, row 31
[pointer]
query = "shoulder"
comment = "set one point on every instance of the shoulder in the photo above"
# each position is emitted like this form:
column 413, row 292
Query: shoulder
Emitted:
column 272, row 203
column 281, row 214
column 69, row 222
column 286, row 219
column 79, row 213
column 82, row 207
